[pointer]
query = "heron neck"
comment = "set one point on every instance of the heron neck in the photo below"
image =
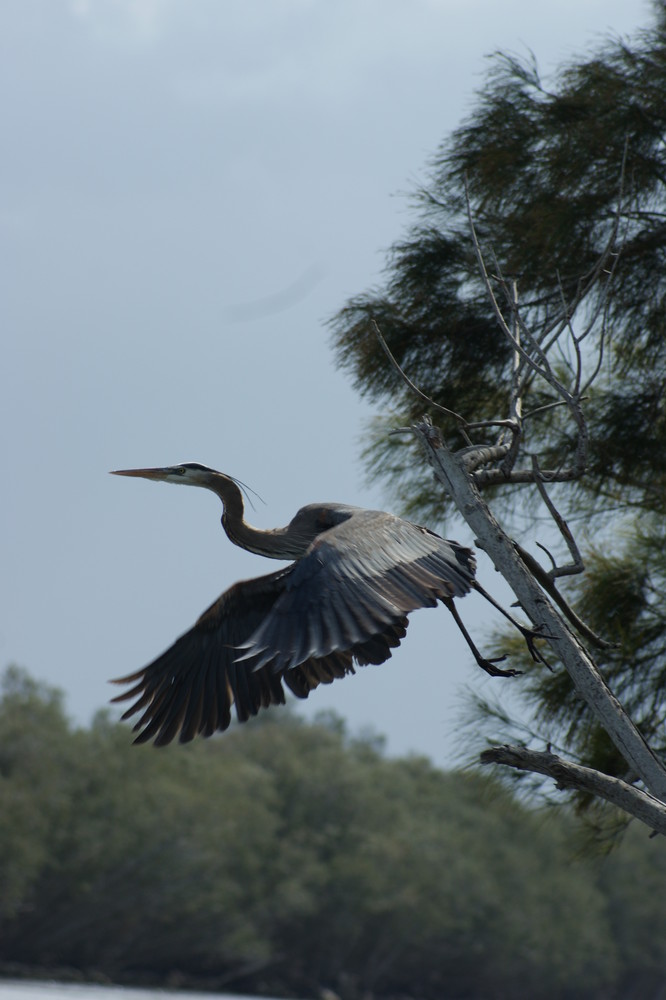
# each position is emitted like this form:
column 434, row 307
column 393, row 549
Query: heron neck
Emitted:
column 265, row 543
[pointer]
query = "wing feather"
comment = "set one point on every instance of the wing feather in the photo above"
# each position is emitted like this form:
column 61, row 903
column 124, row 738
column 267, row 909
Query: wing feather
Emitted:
column 345, row 601
column 356, row 580
column 190, row 688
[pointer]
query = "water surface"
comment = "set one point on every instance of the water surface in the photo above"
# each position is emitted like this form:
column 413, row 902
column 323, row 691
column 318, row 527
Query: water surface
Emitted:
column 32, row 990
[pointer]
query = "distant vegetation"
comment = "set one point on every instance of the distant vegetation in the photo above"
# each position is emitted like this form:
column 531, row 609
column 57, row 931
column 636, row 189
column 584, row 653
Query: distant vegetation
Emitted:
column 284, row 858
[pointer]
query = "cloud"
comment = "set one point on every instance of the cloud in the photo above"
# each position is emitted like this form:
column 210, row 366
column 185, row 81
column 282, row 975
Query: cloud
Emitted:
column 122, row 21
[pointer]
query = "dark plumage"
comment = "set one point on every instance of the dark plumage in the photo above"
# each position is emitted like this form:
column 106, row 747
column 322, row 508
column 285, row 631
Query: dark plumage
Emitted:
column 357, row 574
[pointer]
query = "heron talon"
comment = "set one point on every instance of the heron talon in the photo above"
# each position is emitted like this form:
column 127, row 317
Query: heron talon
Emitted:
column 535, row 631
column 493, row 671
column 530, row 634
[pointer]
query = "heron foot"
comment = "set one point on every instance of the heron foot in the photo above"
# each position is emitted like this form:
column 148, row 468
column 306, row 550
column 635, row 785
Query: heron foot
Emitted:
column 529, row 635
column 493, row 671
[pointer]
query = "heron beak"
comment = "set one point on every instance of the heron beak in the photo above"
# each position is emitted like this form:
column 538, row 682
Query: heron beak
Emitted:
column 156, row 474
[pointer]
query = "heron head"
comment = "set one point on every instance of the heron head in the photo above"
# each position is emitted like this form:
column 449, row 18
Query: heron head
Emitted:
column 189, row 473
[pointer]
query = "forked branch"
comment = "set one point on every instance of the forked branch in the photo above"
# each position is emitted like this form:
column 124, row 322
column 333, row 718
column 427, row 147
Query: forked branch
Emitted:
column 576, row 565
column 450, row 471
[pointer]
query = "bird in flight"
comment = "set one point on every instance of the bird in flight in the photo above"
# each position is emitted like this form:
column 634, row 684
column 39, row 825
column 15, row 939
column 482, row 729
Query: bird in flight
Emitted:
column 344, row 599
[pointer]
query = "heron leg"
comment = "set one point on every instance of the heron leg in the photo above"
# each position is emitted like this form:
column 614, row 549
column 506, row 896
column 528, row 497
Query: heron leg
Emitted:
column 528, row 633
column 485, row 664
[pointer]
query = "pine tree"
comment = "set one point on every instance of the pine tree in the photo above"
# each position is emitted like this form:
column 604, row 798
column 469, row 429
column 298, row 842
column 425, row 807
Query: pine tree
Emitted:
column 564, row 186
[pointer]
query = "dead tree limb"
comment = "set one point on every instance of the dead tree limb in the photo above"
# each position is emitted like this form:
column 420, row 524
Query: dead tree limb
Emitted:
column 451, row 473
column 568, row 775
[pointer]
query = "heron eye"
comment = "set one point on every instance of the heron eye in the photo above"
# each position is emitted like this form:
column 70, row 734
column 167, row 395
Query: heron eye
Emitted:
column 180, row 470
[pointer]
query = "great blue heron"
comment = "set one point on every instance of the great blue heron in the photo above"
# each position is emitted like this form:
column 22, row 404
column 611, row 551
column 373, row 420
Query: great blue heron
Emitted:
column 356, row 576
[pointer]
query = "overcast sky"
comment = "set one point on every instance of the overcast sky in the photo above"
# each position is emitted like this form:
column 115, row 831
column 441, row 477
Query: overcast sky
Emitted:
column 189, row 190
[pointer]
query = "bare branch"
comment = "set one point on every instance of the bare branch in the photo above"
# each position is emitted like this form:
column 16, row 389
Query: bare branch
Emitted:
column 591, row 686
column 496, row 477
column 474, row 425
column 547, row 406
column 546, row 581
column 415, row 389
column 465, row 425
column 566, row 774
column 545, row 371
column 542, row 367
column 482, row 454
column 576, row 565
column 553, row 561
column 587, row 281
column 517, row 385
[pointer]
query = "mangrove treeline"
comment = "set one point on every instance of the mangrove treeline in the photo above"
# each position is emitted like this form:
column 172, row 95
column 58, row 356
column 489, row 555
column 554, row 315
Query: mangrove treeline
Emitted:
column 285, row 858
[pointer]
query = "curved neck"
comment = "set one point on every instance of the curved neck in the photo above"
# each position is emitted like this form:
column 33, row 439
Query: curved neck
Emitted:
column 274, row 543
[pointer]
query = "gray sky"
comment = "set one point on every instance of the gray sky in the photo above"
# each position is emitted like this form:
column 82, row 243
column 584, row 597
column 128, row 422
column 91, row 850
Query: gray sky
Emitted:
column 188, row 191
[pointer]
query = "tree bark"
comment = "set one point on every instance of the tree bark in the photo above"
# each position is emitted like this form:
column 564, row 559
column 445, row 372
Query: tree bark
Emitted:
column 566, row 774
column 450, row 471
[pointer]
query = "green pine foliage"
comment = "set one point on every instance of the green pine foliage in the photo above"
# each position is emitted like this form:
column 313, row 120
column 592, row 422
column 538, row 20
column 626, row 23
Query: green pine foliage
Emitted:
column 544, row 170
column 555, row 172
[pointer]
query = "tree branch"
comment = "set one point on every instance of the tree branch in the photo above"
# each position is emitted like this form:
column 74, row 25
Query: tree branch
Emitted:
column 465, row 425
column 566, row 774
column 415, row 389
column 450, row 471
column 524, row 361
column 576, row 565
column 495, row 477
column 546, row 581
column 482, row 454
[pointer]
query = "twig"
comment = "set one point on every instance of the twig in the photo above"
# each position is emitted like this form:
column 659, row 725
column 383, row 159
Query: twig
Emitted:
column 545, row 372
column 542, row 367
column 602, row 345
column 587, row 281
column 516, row 397
column 549, row 406
column 415, row 389
column 576, row 565
column 465, row 425
column 546, row 580
column 568, row 315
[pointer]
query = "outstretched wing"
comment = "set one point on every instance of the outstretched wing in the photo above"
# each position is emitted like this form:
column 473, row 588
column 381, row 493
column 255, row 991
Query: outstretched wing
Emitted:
column 346, row 600
column 190, row 689
column 357, row 581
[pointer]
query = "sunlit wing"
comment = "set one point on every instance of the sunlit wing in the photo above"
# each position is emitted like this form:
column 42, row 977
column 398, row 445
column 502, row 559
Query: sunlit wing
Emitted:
column 356, row 582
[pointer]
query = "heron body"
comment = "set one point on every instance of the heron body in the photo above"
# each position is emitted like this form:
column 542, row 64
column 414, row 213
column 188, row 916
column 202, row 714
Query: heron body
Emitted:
column 356, row 574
